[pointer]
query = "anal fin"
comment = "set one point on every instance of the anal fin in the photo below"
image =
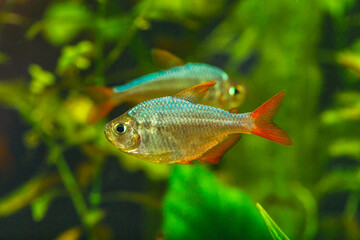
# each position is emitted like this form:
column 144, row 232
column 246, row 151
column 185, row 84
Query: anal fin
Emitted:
column 185, row 162
column 234, row 110
column 215, row 154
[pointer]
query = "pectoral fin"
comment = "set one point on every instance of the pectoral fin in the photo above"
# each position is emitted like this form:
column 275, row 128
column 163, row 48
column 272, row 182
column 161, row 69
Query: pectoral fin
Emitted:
column 166, row 59
column 195, row 93
column 215, row 154
column 234, row 110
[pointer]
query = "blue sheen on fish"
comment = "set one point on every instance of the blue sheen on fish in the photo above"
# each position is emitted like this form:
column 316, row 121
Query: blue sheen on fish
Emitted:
column 188, row 71
column 226, row 94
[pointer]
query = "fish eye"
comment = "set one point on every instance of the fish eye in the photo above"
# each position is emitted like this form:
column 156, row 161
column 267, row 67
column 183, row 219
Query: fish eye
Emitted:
column 233, row 91
column 120, row 128
column 236, row 91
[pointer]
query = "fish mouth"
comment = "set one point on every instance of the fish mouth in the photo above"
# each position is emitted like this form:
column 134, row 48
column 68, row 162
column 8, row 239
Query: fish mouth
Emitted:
column 107, row 135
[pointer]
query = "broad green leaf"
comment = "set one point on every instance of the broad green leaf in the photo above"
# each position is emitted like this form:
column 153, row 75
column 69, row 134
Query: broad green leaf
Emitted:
column 346, row 110
column 345, row 147
column 339, row 181
column 113, row 28
column 349, row 60
column 341, row 116
column 198, row 206
column 64, row 20
column 273, row 228
column 337, row 8
column 70, row 234
column 186, row 12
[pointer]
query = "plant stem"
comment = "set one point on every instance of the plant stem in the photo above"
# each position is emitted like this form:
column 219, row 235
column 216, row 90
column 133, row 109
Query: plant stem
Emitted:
column 139, row 198
column 73, row 189
column 99, row 45
column 133, row 29
column 352, row 205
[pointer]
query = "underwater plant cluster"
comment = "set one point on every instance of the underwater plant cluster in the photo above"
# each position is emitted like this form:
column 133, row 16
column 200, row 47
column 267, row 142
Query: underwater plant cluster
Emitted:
column 65, row 64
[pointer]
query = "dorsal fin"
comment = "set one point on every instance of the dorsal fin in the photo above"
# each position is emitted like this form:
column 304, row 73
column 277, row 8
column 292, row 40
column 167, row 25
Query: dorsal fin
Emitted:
column 195, row 93
column 215, row 154
column 165, row 59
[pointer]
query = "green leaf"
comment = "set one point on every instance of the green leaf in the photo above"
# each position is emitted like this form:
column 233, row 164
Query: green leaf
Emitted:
column 26, row 194
column 40, row 78
column 349, row 60
column 75, row 57
column 113, row 28
column 273, row 228
column 345, row 147
column 347, row 110
column 3, row 58
column 198, row 206
column 339, row 181
column 40, row 206
column 63, row 21
column 93, row 217
column 337, row 8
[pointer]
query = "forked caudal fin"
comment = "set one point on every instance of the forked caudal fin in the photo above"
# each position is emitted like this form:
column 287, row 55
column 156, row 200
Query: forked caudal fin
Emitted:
column 263, row 121
column 103, row 102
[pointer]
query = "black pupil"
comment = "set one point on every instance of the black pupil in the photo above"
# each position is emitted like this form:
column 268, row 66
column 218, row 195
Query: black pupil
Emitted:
column 120, row 128
column 236, row 91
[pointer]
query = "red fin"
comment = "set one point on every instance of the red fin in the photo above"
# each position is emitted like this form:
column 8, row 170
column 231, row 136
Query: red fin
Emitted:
column 263, row 121
column 185, row 162
column 215, row 154
column 165, row 59
column 103, row 103
column 195, row 93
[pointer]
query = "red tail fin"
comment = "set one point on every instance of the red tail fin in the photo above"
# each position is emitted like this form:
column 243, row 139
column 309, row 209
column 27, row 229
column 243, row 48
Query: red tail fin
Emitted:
column 103, row 103
column 263, row 121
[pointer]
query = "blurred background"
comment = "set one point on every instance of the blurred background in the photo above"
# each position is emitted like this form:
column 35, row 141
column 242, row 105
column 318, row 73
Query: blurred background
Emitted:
column 61, row 179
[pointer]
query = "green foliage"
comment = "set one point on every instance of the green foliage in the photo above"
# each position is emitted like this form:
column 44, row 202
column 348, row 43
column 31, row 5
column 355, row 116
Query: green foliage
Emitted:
column 273, row 228
column 75, row 57
column 26, row 194
column 336, row 7
column 40, row 78
column 40, row 206
column 112, row 28
column 109, row 42
column 3, row 58
column 64, row 20
column 198, row 206
column 342, row 117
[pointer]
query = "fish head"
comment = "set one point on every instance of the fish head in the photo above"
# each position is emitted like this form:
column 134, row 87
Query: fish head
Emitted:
column 122, row 133
column 233, row 94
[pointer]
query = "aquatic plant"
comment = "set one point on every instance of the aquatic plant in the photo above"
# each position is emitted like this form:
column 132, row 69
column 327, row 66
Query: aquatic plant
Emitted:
column 61, row 172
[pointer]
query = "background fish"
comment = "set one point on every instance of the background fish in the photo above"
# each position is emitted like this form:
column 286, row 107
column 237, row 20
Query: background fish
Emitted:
column 178, row 130
column 226, row 94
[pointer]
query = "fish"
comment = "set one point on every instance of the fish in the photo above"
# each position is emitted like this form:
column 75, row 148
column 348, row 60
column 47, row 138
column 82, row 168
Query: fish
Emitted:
column 178, row 130
column 227, row 94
